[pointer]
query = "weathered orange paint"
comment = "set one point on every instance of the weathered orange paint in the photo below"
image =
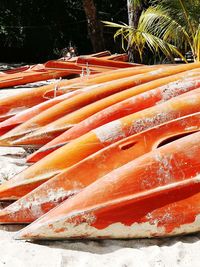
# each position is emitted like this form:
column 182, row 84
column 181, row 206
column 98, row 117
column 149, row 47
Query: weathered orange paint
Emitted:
column 74, row 179
column 80, row 122
column 29, row 113
column 155, row 195
column 95, row 140
column 92, row 95
column 11, row 105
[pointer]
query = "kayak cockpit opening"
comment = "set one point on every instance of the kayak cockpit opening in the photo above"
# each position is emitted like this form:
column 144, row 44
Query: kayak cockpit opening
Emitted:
column 173, row 138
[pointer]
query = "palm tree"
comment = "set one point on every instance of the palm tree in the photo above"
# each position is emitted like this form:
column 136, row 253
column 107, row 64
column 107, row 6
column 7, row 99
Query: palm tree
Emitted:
column 134, row 8
column 170, row 27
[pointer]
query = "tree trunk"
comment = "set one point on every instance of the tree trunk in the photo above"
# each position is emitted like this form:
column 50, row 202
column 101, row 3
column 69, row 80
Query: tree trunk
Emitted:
column 94, row 26
column 134, row 12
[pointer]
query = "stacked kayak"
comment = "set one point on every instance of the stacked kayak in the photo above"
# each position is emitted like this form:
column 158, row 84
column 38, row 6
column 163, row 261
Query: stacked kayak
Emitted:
column 96, row 63
column 116, row 152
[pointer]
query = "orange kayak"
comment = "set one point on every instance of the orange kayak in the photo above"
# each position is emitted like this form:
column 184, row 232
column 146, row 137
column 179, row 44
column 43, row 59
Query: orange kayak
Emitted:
column 51, row 70
column 73, row 180
column 29, row 113
column 103, row 111
column 157, row 194
column 23, row 116
column 76, row 69
column 10, row 106
column 95, row 140
column 92, row 61
column 118, row 57
column 94, row 79
column 39, row 73
column 93, row 94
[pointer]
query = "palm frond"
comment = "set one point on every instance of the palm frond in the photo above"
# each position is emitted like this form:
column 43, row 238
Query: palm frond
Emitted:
column 163, row 27
column 192, row 8
column 141, row 38
column 197, row 44
column 157, row 21
column 115, row 25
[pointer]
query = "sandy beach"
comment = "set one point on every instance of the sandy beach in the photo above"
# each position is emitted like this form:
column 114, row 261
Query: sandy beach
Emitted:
column 178, row 251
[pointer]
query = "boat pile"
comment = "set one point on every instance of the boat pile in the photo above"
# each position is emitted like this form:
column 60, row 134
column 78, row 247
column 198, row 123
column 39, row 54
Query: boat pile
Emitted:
column 116, row 151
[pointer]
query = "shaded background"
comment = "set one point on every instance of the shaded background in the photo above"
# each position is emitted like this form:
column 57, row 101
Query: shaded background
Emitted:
column 38, row 30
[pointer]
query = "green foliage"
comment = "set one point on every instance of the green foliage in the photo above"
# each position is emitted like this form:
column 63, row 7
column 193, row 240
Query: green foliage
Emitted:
column 170, row 27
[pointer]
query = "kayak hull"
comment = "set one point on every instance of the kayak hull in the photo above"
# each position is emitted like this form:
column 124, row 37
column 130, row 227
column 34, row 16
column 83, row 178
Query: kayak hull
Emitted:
column 95, row 140
column 73, row 180
column 113, row 112
column 124, row 203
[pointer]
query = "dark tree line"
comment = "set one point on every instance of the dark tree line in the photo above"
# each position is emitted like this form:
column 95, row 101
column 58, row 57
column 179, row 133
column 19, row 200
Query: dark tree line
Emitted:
column 37, row 30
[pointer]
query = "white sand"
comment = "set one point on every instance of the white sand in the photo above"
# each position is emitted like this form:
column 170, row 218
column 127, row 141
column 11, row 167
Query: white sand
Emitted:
column 179, row 251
